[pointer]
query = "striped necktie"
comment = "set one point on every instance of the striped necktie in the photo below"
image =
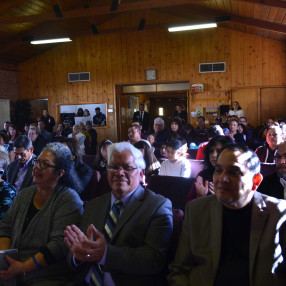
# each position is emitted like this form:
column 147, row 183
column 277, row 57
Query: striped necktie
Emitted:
column 96, row 277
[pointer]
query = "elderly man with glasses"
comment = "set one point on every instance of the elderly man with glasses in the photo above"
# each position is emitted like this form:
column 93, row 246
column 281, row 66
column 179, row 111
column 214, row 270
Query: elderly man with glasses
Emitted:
column 124, row 235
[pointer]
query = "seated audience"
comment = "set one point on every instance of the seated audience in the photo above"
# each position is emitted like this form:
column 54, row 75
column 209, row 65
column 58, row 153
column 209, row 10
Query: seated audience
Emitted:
column 67, row 129
column 100, row 163
column 36, row 220
column 7, row 191
column 233, row 133
column 213, row 131
column 83, row 172
column 159, row 131
column 176, row 165
column 235, row 237
column 4, row 139
column 201, row 131
column 79, row 136
column 262, row 130
column 151, row 140
column 275, row 184
column 44, row 133
column 19, row 172
column 176, row 130
column 242, row 130
column 133, row 251
column 191, row 133
column 93, row 138
column 236, row 110
column 249, row 128
column 134, row 134
column 37, row 140
column 204, row 180
column 6, row 127
column 267, row 152
column 13, row 133
column 59, row 133
column 26, row 129
column 152, row 164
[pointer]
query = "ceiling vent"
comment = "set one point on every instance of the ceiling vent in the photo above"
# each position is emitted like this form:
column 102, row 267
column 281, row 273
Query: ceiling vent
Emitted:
column 212, row 67
column 79, row 76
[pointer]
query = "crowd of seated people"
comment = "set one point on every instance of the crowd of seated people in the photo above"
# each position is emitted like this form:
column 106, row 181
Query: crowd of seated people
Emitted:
column 37, row 176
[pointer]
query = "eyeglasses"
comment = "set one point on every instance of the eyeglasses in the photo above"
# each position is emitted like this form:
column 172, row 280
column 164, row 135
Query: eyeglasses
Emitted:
column 43, row 165
column 279, row 157
column 115, row 168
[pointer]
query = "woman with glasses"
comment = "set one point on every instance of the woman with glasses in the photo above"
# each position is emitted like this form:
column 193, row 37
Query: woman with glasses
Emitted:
column 37, row 218
column 37, row 140
column 266, row 152
column 7, row 191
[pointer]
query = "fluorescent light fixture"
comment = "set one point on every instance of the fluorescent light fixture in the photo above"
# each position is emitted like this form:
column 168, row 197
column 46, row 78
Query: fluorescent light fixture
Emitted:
column 51, row 41
column 192, row 27
column 161, row 111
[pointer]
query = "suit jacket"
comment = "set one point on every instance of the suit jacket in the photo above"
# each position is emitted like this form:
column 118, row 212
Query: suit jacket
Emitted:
column 198, row 253
column 145, row 121
column 12, row 171
column 271, row 186
column 137, row 251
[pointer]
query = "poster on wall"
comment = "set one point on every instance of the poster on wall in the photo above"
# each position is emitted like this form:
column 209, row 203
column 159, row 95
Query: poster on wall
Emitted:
column 96, row 113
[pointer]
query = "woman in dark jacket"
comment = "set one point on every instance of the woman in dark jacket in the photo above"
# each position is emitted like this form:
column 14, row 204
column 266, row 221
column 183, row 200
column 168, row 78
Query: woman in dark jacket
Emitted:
column 84, row 172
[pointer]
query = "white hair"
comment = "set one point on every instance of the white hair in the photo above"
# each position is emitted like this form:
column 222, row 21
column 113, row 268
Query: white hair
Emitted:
column 158, row 119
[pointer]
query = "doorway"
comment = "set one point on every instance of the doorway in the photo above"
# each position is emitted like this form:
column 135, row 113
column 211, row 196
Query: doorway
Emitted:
column 154, row 96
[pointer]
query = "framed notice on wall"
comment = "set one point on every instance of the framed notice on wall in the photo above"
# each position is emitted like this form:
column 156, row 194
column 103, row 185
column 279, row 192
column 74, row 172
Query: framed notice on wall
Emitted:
column 97, row 113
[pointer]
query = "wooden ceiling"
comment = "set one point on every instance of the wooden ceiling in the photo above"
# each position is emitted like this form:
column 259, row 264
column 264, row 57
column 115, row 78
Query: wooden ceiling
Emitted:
column 23, row 20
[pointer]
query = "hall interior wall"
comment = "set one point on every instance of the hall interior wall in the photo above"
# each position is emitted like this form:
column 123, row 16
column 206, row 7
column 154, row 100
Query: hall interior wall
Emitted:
column 119, row 59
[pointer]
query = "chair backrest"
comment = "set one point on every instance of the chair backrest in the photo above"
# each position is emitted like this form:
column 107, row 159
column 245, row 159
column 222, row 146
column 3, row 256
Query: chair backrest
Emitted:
column 192, row 153
column 88, row 160
column 92, row 189
column 196, row 166
column 176, row 189
column 267, row 169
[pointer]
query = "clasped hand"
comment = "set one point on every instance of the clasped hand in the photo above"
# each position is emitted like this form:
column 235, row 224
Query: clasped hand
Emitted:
column 15, row 268
column 85, row 248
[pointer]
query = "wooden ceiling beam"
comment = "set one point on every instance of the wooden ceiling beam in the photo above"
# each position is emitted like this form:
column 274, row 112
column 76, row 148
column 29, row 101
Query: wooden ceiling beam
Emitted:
column 272, row 3
column 96, row 11
column 9, row 4
column 270, row 26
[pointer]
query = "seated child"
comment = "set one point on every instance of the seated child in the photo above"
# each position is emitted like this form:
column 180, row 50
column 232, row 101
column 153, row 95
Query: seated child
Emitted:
column 176, row 165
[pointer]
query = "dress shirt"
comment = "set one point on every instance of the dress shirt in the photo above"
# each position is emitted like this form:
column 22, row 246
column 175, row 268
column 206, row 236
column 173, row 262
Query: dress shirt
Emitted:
column 107, row 280
column 22, row 170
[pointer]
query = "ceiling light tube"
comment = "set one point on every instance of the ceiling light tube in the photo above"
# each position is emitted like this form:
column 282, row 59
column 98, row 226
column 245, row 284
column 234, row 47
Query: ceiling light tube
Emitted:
column 51, row 41
column 192, row 27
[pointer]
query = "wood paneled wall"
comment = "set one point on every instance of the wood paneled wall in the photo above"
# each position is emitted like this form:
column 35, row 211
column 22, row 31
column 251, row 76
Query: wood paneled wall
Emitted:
column 117, row 59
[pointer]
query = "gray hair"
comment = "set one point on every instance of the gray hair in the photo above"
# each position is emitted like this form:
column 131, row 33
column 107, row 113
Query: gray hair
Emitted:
column 158, row 119
column 4, row 160
column 22, row 141
column 63, row 161
column 124, row 146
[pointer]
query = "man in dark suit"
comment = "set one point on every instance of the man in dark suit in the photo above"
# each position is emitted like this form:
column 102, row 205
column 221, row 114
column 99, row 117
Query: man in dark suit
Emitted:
column 143, row 117
column 275, row 184
column 19, row 172
column 132, row 249
column 240, row 239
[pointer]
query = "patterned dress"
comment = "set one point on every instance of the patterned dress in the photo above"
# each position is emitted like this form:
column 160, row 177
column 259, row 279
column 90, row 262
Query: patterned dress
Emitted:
column 7, row 195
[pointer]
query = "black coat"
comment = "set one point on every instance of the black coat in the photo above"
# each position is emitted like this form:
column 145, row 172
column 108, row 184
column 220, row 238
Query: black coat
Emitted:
column 271, row 186
column 145, row 121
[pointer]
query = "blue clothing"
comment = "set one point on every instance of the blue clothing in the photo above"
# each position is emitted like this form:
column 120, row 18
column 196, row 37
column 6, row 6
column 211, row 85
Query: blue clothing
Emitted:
column 99, row 119
column 7, row 195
